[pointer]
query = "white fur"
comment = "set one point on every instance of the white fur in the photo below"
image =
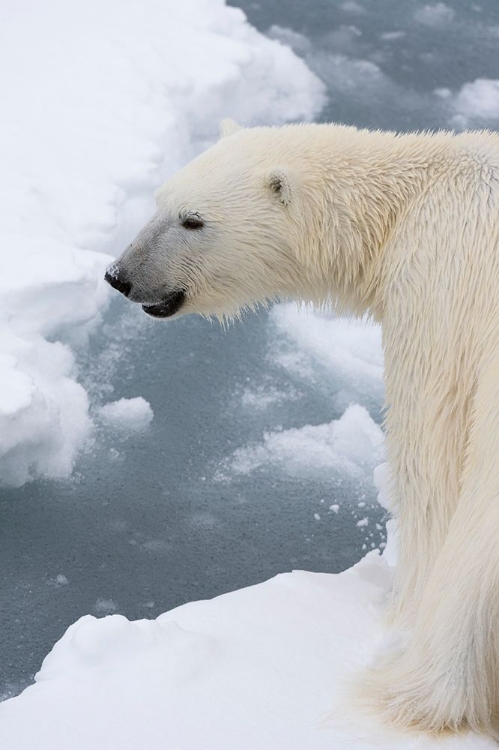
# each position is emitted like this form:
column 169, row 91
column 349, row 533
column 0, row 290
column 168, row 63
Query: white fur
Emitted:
column 405, row 227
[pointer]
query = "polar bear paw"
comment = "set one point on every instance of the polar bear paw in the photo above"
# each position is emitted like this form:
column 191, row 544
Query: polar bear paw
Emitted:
column 417, row 698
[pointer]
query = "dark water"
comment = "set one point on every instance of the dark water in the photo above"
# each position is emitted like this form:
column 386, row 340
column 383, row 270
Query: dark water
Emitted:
column 144, row 525
column 383, row 59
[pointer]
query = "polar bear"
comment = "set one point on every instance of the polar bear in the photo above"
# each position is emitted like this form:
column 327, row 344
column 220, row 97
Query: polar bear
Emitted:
column 405, row 228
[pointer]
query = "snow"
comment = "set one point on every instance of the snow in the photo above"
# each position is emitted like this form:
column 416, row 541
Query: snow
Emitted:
column 348, row 347
column 351, row 445
column 478, row 100
column 347, row 350
column 318, row 348
column 127, row 414
column 269, row 666
column 474, row 105
column 102, row 101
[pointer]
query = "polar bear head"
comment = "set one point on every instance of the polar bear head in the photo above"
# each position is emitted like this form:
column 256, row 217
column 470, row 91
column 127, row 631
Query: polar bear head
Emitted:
column 241, row 224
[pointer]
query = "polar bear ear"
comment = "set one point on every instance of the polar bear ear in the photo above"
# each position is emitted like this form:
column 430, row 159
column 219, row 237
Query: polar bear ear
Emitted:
column 229, row 127
column 279, row 181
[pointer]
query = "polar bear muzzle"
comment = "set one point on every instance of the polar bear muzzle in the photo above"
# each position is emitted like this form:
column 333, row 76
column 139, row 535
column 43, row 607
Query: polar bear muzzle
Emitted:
column 167, row 304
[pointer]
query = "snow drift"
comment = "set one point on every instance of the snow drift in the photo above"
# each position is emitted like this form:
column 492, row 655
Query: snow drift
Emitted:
column 101, row 102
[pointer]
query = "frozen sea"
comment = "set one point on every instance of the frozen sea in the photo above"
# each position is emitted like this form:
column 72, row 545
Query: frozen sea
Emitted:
column 217, row 492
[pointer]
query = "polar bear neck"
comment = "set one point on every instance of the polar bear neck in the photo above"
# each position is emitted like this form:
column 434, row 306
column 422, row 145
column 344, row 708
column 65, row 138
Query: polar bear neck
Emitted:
column 368, row 182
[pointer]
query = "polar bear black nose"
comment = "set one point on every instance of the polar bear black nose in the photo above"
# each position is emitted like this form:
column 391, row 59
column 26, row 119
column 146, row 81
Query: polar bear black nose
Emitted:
column 115, row 277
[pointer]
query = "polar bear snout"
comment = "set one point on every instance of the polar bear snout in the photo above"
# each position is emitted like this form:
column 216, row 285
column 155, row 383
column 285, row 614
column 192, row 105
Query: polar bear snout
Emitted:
column 165, row 304
column 117, row 279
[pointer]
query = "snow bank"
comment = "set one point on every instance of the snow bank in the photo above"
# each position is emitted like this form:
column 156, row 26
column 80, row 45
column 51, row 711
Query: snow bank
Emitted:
column 101, row 102
column 262, row 668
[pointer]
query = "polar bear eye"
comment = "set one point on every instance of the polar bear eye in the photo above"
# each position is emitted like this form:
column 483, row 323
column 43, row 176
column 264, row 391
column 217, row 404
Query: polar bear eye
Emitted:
column 192, row 222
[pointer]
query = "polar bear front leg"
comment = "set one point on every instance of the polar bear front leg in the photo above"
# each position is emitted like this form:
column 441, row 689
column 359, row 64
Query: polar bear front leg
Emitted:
column 448, row 676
